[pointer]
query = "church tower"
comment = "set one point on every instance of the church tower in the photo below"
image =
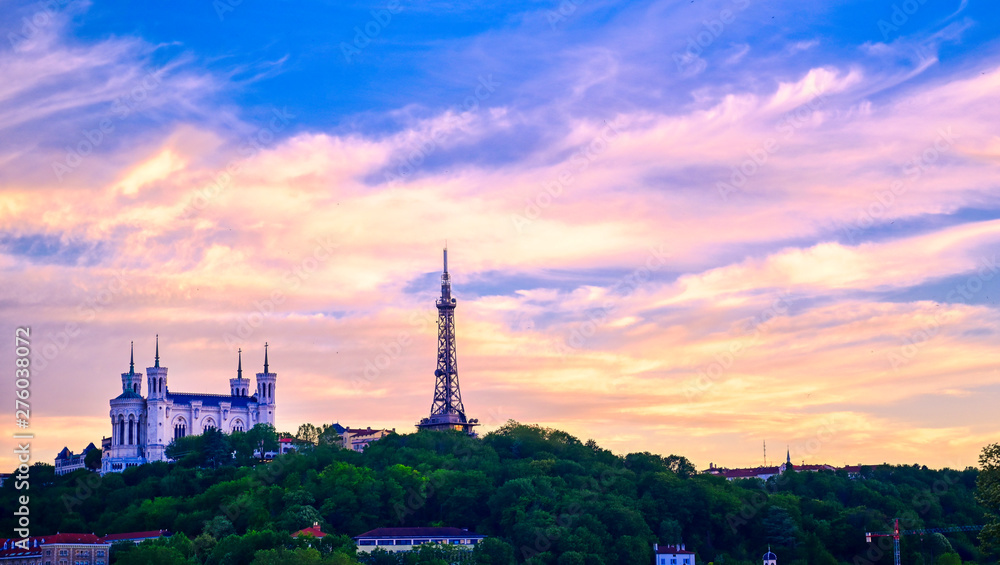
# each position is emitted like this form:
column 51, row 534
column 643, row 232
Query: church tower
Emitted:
column 447, row 410
column 157, row 376
column 132, row 380
column 239, row 386
column 265, row 393
column 158, row 436
column 128, row 424
column 770, row 558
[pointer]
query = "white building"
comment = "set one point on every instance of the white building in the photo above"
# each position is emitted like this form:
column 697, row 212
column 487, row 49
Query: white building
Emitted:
column 672, row 555
column 67, row 461
column 770, row 558
column 143, row 427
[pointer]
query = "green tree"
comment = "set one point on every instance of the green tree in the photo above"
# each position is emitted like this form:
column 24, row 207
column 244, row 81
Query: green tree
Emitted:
column 988, row 494
column 308, row 432
column 93, row 459
column 493, row 551
column 263, row 438
column 148, row 554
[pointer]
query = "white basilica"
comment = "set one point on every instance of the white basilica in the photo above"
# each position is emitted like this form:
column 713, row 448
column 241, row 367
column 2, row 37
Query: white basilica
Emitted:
column 142, row 428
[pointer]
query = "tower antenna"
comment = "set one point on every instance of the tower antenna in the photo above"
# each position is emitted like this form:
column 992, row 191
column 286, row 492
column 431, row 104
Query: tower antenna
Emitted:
column 447, row 410
column 765, row 453
column 157, row 364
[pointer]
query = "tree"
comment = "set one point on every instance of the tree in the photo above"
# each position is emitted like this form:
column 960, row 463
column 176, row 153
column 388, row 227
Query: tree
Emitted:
column 93, row 459
column 308, row 432
column 780, row 527
column 263, row 438
column 988, row 494
column 148, row 554
column 493, row 551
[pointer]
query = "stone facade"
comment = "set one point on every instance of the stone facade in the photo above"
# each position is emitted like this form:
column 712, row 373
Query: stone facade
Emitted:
column 143, row 427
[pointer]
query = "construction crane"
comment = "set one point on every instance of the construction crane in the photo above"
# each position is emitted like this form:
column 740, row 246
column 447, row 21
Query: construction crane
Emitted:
column 896, row 532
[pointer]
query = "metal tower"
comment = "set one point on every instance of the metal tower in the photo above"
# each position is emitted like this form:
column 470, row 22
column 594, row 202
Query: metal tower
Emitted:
column 447, row 410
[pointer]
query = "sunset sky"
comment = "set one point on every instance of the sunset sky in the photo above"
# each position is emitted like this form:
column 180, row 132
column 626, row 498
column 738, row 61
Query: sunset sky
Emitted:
column 680, row 227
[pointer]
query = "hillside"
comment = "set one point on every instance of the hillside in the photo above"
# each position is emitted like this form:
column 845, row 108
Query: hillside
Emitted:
column 549, row 497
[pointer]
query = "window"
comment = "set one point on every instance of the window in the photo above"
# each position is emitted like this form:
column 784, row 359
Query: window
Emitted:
column 404, row 542
column 385, row 542
column 100, row 553
column 419, row 541
column 673, row 562
column 366, row 542
column 455, row 541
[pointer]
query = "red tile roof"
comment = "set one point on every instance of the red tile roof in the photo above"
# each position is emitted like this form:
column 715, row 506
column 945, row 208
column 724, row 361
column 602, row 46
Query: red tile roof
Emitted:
column 88, row 539
column 313, row 531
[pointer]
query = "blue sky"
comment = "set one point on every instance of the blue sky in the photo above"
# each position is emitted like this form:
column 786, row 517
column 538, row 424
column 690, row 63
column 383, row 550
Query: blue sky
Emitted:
column 630, row 190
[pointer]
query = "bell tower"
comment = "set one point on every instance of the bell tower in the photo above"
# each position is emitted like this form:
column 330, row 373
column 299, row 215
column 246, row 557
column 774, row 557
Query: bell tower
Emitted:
column 157, row 376
column 265, row 393
column 132, row 380
column 239, row 386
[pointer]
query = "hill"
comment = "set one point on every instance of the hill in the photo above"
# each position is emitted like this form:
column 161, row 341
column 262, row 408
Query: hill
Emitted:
column 546, row 496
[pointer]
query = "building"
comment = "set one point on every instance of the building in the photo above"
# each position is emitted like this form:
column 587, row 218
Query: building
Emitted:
column 765, row 473
column 357, row 439
column 405, row 539
column 770, row 558
column 57, row 549
column 67, row 462
column 447, row 409
column 313, row 531
column 143, row 427
column 672, row 555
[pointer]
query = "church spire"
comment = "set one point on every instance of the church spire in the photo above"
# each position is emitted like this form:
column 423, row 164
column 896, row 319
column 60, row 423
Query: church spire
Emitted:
column 265, row 358
column 239, row 367
column 131, row 358
column 157, row 351
column 788, row 456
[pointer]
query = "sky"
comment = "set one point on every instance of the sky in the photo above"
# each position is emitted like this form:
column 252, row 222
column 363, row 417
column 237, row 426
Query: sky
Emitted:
column 679, row 227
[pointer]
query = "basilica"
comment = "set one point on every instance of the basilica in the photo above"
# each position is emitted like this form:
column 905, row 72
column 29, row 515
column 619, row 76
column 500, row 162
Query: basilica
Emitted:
column 143, row 427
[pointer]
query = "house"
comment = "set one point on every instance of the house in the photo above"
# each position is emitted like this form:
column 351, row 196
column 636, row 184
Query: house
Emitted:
column 56, row 549
column 672, row 555
column 406, row 539
column 358, row 439
column 313, row 531
column 67, row 462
